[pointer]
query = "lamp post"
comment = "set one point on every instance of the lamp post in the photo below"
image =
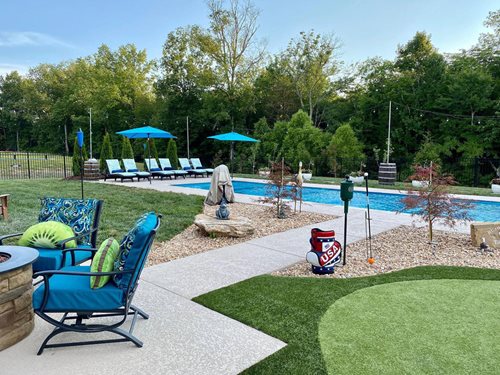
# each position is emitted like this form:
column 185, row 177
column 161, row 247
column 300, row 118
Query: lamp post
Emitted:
column 79, row 139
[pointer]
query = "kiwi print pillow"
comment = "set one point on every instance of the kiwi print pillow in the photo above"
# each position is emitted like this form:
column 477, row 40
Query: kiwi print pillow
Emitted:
column 104, row 261
column 77, row 213
column 47, row 235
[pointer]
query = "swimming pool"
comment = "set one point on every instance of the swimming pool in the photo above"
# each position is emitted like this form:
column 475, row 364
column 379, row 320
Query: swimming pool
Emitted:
column 482, row 210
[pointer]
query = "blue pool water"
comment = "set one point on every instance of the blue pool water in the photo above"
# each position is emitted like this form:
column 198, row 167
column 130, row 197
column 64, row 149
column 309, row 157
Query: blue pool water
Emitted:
column 482, row 210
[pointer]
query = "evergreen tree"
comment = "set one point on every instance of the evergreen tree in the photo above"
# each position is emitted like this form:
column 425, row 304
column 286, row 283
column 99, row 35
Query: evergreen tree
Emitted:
column 127, row 151
column 172, row 154
column 154, row 151
column 106, row 152
column 345, row 150
column 77, row 161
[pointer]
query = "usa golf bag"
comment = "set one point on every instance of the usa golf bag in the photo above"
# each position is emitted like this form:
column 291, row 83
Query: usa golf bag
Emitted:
column 325, row 251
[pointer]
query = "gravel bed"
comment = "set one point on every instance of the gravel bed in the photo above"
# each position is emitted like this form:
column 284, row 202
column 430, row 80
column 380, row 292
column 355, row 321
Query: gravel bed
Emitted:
column 405, row 247
column 193, row 241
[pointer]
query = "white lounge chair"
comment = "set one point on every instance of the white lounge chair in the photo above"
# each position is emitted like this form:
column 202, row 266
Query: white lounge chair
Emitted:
column 131, row 167
column 115, row 171
column 196, row 163
column 166, row 166
column 190, row 170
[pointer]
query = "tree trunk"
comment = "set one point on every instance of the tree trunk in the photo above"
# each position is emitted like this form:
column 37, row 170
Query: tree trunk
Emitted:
column 66, row 146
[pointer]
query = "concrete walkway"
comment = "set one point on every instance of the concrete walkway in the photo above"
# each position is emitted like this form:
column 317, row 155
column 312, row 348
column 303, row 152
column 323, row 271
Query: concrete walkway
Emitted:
column 182, row 337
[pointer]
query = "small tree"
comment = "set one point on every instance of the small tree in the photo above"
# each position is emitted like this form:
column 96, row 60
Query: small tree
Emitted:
column 127, row 151
column 154, row 151
column 279, row 188
column 346, row 149
column 106, row 152
column 433, row 201
column 172, row 153
column 428, row 152
column 77, row 163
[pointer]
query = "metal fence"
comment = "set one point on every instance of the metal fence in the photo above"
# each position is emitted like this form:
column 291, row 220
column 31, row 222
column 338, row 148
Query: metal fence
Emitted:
column 33, row 165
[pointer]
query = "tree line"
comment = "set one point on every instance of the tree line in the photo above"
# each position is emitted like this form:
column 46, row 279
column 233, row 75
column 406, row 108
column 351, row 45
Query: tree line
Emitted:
column 302, row 103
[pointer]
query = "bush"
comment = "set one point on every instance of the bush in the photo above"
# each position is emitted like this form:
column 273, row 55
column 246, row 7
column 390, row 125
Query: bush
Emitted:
column 428, row 152
column 345, row 150
column 106, row 152
column 172, row 154
column 77, row 163
column 127, row 151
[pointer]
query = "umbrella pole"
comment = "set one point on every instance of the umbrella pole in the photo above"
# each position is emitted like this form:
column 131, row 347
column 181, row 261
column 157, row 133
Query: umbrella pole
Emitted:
column 149, row 165
column 231, row 152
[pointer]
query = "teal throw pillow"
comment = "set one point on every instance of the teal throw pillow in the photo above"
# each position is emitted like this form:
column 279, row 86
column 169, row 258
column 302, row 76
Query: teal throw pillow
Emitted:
column 47, row 235
column 104, row 261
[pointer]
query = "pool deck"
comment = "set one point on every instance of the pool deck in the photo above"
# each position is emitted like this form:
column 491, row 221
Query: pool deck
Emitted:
column 183, row 337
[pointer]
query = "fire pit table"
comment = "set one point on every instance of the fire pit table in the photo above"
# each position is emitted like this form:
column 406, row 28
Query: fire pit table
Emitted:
column 16, row 289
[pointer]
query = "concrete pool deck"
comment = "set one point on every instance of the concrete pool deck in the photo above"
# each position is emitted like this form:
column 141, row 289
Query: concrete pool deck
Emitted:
column 183, row 337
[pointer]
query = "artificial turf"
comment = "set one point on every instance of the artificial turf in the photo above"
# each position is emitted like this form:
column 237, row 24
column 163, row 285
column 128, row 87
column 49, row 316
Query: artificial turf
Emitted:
column 122, row 205
column 290, row 309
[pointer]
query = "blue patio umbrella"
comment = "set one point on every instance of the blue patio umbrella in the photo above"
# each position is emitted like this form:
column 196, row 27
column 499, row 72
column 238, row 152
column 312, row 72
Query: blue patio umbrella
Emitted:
column 233, row 137
column 146, row 132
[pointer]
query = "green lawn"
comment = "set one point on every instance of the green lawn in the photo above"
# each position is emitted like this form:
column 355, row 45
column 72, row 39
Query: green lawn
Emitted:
column 122, row 205
column 397, row 186
column 291, row 310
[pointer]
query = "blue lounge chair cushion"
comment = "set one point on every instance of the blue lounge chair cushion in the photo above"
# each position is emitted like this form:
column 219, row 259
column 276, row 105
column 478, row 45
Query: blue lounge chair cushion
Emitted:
column 79, row 214
column 73, row 293
column 117, row 171
column 52, row 259
column 131, row 248
column 133, row 170
column 155, row 169
column 187, row 168
column 168, row 169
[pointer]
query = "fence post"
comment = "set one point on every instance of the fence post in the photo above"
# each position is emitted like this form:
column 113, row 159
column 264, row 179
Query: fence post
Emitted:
column 476, row 172
column 29, row 165
column 64, row 165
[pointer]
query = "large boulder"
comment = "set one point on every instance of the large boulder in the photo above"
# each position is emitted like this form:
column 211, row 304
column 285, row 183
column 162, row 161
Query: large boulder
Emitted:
column 236, row 226
column 489, row 231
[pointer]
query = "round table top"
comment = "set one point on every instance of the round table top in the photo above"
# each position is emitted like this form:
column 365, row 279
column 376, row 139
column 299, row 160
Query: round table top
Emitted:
column 20, row 256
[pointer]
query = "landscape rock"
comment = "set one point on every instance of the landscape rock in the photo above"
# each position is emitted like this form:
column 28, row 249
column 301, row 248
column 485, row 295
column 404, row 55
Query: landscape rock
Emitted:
column 236, row 226
column 489, row 231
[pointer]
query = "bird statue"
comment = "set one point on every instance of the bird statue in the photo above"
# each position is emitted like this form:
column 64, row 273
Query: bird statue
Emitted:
column 483, row 246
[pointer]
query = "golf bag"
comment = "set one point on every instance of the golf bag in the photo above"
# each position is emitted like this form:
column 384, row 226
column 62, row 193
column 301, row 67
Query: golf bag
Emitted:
column 325, row 251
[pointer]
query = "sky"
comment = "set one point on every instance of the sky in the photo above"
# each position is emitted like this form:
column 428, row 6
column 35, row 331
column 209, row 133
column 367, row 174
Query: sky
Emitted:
column 51, row 31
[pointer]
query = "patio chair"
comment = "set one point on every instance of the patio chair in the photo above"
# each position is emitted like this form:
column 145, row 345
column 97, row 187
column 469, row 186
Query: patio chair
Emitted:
column 196, row 163
column 83, row 216
column 152, row 166
column 190, row 170
column 68, row 292
column 166, row 166
column 131, row 167
column 116, row 172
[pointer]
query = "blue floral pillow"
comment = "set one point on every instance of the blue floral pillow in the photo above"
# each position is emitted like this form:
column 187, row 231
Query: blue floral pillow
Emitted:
column 77, row 213
column 132, row 246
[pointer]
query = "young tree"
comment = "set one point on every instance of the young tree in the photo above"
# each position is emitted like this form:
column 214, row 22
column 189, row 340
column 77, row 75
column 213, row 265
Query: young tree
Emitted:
column 77, row 162
column 106, row 152
column 172, row 154
column 279, row 188
column 154, row 151
column 127, row 151
column 428, row 152
column 433, row 201
column 345, row 148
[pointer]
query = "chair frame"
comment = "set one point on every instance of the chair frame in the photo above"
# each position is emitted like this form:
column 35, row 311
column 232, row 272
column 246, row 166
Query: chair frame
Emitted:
column 79, row 316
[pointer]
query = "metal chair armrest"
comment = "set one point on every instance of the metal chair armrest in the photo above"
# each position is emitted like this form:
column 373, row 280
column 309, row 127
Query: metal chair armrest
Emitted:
column 4, row 237
column 63, row 243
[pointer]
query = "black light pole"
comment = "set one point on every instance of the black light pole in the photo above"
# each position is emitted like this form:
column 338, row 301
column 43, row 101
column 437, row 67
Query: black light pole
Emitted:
column 79, row 138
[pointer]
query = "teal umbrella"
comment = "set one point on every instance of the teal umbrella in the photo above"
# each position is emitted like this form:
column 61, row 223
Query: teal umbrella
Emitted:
column 233, row 137
column 146, row 132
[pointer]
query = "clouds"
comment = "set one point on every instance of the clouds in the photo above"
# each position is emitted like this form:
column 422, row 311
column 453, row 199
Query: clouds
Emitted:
column 30, row 38
column 8, row 68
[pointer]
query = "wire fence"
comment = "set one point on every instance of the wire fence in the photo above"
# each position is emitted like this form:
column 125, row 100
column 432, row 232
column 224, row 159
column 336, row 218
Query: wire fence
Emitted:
column 33, row 165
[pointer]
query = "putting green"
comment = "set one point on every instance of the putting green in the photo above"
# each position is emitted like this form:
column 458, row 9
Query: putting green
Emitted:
column 415, row 327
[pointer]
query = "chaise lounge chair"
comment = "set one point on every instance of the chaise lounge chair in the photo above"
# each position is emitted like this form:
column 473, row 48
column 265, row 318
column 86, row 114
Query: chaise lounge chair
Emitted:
column 190, row 170
column 166, row 166
column 152, row 166
column 115, row 171
column 196, row 163
column 131, row 167
column 82, row 215
column 68, row 292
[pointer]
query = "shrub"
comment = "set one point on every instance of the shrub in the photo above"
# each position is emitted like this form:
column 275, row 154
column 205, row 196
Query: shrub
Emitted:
column 345, row 150
column 106, row 152
column 172, row 153
column 428, row 152
column 154, row 151
column 77, row 163
column 127, row 151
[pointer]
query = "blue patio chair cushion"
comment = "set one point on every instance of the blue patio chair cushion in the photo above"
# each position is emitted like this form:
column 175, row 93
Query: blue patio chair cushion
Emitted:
column 132, row 246
column 79, row 214
column 51, row 259
column 168, row 168
column 155, row 169
column 187, row 168
column 133, row 170
column 117, row 171
column 73, row 293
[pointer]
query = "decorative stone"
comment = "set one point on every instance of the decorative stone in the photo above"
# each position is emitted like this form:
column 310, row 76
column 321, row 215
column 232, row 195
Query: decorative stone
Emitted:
column 236, row 226
column 489, row 231
column 91, row 170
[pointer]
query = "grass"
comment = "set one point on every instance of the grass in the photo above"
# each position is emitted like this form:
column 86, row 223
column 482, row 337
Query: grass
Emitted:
column 122, row 205
column 467, row 190
column 290, row 309
column 414, row 327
